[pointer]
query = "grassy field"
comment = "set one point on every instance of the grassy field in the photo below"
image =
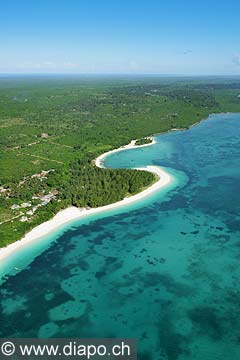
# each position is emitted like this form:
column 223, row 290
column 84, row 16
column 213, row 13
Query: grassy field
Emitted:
column 59, row 125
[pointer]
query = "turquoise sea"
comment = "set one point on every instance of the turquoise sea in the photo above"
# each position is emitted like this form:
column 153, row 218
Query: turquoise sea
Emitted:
column 164, row 270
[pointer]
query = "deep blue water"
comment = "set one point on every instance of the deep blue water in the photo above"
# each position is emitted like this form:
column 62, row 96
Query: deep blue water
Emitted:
column 165, row 271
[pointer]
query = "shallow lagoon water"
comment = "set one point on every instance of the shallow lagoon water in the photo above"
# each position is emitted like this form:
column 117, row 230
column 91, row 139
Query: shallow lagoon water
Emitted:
column 165, row 270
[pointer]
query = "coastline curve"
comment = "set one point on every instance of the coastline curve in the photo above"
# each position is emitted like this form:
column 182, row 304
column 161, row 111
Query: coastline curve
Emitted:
column 72, row 213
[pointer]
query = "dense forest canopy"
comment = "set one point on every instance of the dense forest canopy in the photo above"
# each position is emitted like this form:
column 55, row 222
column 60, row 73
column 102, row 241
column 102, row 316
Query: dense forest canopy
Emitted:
column 53, row 127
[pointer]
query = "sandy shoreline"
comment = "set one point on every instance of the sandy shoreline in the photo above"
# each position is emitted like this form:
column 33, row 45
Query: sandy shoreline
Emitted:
column 99, row 160
column 73, row 213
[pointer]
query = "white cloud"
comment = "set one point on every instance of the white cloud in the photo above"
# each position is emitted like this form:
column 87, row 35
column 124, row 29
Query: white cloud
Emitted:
column 40, row 65
column 70, row 65
column 49, row 64
column 134, row 66
column 236, row 59
column 187, row 51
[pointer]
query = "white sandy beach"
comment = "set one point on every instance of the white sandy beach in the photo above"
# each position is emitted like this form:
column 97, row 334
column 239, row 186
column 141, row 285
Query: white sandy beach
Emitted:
column 73, row 213
column 132, row 145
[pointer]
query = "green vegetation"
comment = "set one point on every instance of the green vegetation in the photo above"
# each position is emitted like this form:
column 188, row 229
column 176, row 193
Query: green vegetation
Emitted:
column 92, row 186
column 143, row 141
column 51, row 129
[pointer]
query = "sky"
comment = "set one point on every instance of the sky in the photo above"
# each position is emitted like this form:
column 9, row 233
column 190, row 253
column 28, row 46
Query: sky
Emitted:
column 169, row 37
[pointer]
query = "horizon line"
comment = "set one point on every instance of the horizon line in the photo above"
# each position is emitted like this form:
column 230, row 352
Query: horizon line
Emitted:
column 117, row 74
